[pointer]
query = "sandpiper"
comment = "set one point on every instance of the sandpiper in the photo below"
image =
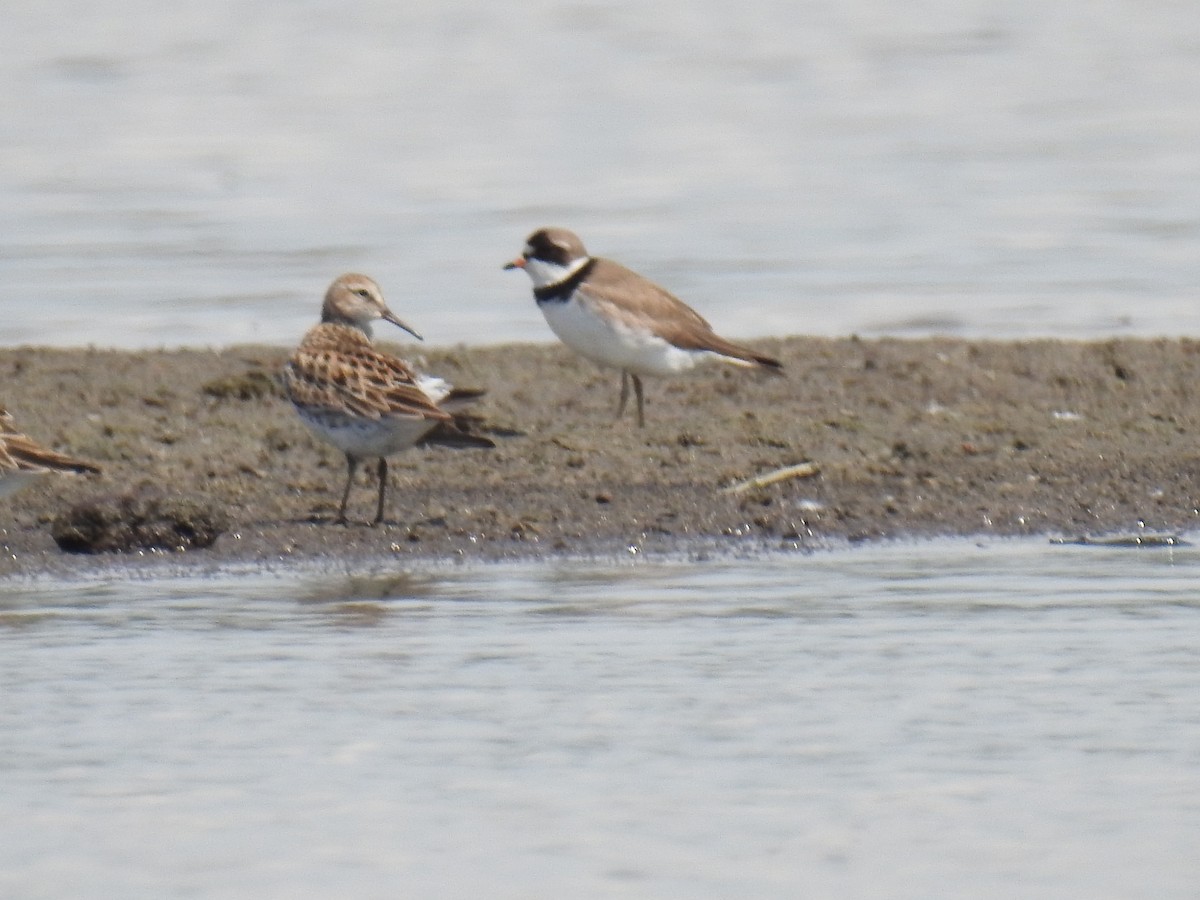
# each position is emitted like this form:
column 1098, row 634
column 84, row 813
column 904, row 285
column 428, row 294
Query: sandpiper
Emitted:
column 22, row 461
column 617, row 318
column 367, row 403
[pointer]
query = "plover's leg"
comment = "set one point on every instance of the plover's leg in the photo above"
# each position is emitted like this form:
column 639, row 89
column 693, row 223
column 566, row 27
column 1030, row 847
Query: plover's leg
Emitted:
column 624, row 394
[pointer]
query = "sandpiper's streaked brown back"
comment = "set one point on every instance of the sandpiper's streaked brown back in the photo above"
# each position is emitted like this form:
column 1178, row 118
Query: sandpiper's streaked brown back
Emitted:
column 367, row 403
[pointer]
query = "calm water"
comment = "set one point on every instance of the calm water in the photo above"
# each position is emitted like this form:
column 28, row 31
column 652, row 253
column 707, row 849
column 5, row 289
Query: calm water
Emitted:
column 1005, row 720
column 198, row 173
column 910, row 721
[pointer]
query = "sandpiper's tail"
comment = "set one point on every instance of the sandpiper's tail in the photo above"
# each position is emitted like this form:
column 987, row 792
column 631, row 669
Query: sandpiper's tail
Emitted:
column 18, row 452
column 449, row 434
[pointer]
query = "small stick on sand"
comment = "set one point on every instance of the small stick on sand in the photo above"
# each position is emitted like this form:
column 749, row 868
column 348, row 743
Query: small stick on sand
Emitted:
column 800, row 470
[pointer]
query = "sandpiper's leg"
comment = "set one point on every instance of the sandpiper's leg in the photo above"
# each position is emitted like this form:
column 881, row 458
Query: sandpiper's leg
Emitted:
column 351, row 465
column 382, row 490
column 637, row 389
column 624, row 394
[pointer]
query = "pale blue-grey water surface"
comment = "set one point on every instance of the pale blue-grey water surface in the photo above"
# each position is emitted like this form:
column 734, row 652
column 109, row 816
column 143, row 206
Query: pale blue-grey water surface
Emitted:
column 1008, row 719
column 916, row 720
column 197, row 174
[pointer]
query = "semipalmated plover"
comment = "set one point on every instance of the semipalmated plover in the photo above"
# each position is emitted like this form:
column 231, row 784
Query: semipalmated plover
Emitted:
column 366, row 403
column 22, row 461
column 617, row 318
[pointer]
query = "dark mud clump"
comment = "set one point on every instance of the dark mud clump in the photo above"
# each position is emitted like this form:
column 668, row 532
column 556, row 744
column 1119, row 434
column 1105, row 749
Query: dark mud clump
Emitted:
column 253, row 384
column 139, row 521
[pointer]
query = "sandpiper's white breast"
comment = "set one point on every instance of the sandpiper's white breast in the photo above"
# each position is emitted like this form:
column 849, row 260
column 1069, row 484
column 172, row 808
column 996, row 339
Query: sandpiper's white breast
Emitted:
column 611, row 342
column 368, row 438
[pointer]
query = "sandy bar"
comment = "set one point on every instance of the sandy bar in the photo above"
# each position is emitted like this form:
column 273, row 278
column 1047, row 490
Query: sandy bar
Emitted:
column 910, row 438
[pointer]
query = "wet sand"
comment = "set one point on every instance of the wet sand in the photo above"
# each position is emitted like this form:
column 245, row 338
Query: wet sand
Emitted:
column 909, row 439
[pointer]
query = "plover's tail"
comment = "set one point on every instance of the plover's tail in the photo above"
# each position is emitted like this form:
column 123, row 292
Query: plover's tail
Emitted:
column 744, row 356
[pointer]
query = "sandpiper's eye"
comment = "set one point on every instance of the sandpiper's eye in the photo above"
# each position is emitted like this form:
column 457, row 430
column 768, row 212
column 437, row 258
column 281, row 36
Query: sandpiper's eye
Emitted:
column 364, row 293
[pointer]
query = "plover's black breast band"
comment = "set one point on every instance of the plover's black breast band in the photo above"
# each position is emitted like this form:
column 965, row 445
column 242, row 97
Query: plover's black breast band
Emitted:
column 561, row 291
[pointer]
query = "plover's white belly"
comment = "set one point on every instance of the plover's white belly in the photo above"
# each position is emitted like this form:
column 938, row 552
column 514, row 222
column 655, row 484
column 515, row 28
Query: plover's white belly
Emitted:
column 368, row 438
column 613, row 343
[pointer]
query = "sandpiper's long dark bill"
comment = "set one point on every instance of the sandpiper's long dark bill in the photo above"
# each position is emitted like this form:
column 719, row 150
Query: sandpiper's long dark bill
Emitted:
column 22, row 461
column 617, row 318
column 367, row 403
